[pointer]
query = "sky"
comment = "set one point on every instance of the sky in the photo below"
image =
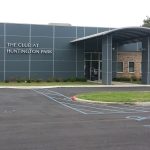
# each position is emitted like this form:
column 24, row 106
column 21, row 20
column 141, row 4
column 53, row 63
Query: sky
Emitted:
column 96, row 13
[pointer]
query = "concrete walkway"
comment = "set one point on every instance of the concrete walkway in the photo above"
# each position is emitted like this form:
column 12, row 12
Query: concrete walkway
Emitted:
column 114, row 84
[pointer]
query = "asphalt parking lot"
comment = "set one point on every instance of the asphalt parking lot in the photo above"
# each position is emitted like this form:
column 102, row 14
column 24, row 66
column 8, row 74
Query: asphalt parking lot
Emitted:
column 47, row 119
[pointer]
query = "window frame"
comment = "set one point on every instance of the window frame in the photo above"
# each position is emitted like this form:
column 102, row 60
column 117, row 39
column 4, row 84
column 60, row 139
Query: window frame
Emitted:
column 122, row 66
column 129, row 67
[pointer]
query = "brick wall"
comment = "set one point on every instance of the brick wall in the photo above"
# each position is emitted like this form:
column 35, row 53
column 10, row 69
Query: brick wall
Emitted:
column 127, row 57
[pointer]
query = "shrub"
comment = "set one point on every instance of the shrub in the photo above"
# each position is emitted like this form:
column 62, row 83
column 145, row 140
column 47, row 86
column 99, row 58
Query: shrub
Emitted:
column 6, row 81
column 18, row 81
column 121, row 79
column 65, row 80
column 82, row 79
column 28, row 81
column 75, row 79
column 55, row 80
column 38, row 80
column 71, row 79
column 133, row 78
column 50, row 80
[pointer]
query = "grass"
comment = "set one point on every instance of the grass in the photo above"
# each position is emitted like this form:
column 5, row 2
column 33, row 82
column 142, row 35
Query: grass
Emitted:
column 44, row 83
column 123, row 97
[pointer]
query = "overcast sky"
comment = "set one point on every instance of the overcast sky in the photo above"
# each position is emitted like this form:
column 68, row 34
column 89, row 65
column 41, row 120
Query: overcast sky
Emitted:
column 101, row 13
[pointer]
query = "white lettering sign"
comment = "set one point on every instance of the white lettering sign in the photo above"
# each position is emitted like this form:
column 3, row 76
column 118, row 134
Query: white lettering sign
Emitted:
column 28, row 51
column 23, row 45
column 26, row 48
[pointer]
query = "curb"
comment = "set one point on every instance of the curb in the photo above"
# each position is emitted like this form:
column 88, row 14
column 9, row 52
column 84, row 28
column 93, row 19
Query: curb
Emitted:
column 142, row 103
column 84, row 86
column 74, row 98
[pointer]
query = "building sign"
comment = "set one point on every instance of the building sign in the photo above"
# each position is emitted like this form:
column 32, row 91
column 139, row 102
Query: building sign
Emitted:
column 26, row 48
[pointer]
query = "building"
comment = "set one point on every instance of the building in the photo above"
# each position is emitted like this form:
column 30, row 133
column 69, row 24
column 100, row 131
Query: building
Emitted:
column 29, row 51
column 129, row 65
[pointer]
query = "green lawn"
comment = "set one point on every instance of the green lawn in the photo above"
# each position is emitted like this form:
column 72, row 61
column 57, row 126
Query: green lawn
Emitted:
column 44, row 83
column 124, row 97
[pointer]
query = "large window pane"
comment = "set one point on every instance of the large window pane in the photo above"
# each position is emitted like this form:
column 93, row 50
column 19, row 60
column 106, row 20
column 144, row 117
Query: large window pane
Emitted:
column 131, row 66
column 95, row 56
column 87, row 56
column 100, row 56
column 119, row 66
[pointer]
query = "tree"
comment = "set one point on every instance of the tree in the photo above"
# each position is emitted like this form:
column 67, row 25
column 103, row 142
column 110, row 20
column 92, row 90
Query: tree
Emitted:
column 146, row 22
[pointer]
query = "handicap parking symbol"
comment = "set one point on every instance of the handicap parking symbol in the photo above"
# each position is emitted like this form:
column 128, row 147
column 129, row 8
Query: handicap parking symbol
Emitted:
column 138, row 118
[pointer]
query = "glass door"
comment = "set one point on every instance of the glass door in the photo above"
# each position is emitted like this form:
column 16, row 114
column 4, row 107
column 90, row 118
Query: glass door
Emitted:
column 93, row 70
column 87, row 70
column 100, row 71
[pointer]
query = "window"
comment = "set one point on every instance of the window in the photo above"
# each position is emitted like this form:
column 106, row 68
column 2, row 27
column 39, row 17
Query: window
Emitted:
column 131, row 66
column 119, row 66
column 95, row 56
column 87, row 56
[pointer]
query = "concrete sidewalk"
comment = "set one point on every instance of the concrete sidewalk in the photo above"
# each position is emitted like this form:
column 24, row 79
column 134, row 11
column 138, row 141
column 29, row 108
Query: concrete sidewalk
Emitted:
column 100, row 86
column 97, row 84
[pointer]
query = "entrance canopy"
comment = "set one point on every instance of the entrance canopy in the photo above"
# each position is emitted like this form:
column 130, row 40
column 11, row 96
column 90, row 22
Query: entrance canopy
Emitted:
column 121, row 35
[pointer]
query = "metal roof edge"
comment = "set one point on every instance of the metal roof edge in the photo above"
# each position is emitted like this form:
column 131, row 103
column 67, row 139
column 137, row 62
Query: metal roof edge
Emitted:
column 107, row 33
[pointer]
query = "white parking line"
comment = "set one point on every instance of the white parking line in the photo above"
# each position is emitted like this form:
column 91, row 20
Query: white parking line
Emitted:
column 86, row 109
column 138, row 118
column 139, row 107
column 60, row 102
column 130, row 109
column 59, row 94
column 147, row 126
column 91, row 111
column 79, row 105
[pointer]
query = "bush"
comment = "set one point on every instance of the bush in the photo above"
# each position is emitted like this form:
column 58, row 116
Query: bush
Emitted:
column 50, row 80
column 18, row 81
column 6, row 81
column 131, row 79
column 71, row 79
column 121, row 79
column 75, row 79
column 56, row 80
column 65, row 80
column 82, row 79
column 38, row 80
column 28, row 81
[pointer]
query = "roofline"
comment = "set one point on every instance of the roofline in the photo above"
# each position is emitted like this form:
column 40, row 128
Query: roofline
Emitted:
column 107, row 33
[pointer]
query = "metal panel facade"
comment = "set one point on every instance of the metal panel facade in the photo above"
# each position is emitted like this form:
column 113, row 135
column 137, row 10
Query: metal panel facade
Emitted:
column 29, row 51
column 146, row 61
column 107, row 60
column 42, row 51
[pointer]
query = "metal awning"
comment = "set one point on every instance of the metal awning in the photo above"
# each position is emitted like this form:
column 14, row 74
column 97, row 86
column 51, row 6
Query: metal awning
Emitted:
column 123, row 35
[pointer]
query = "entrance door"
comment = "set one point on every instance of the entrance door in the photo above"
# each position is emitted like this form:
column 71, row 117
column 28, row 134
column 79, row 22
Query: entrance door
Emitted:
column 93, row 70
column 87, row 70
column 100, row 70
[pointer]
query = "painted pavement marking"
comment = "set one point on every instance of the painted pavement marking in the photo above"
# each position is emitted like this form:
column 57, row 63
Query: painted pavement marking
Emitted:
column 91, row 108
column 138, row 118
column 59, row 102
column 128, row 108
column 148, row 126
